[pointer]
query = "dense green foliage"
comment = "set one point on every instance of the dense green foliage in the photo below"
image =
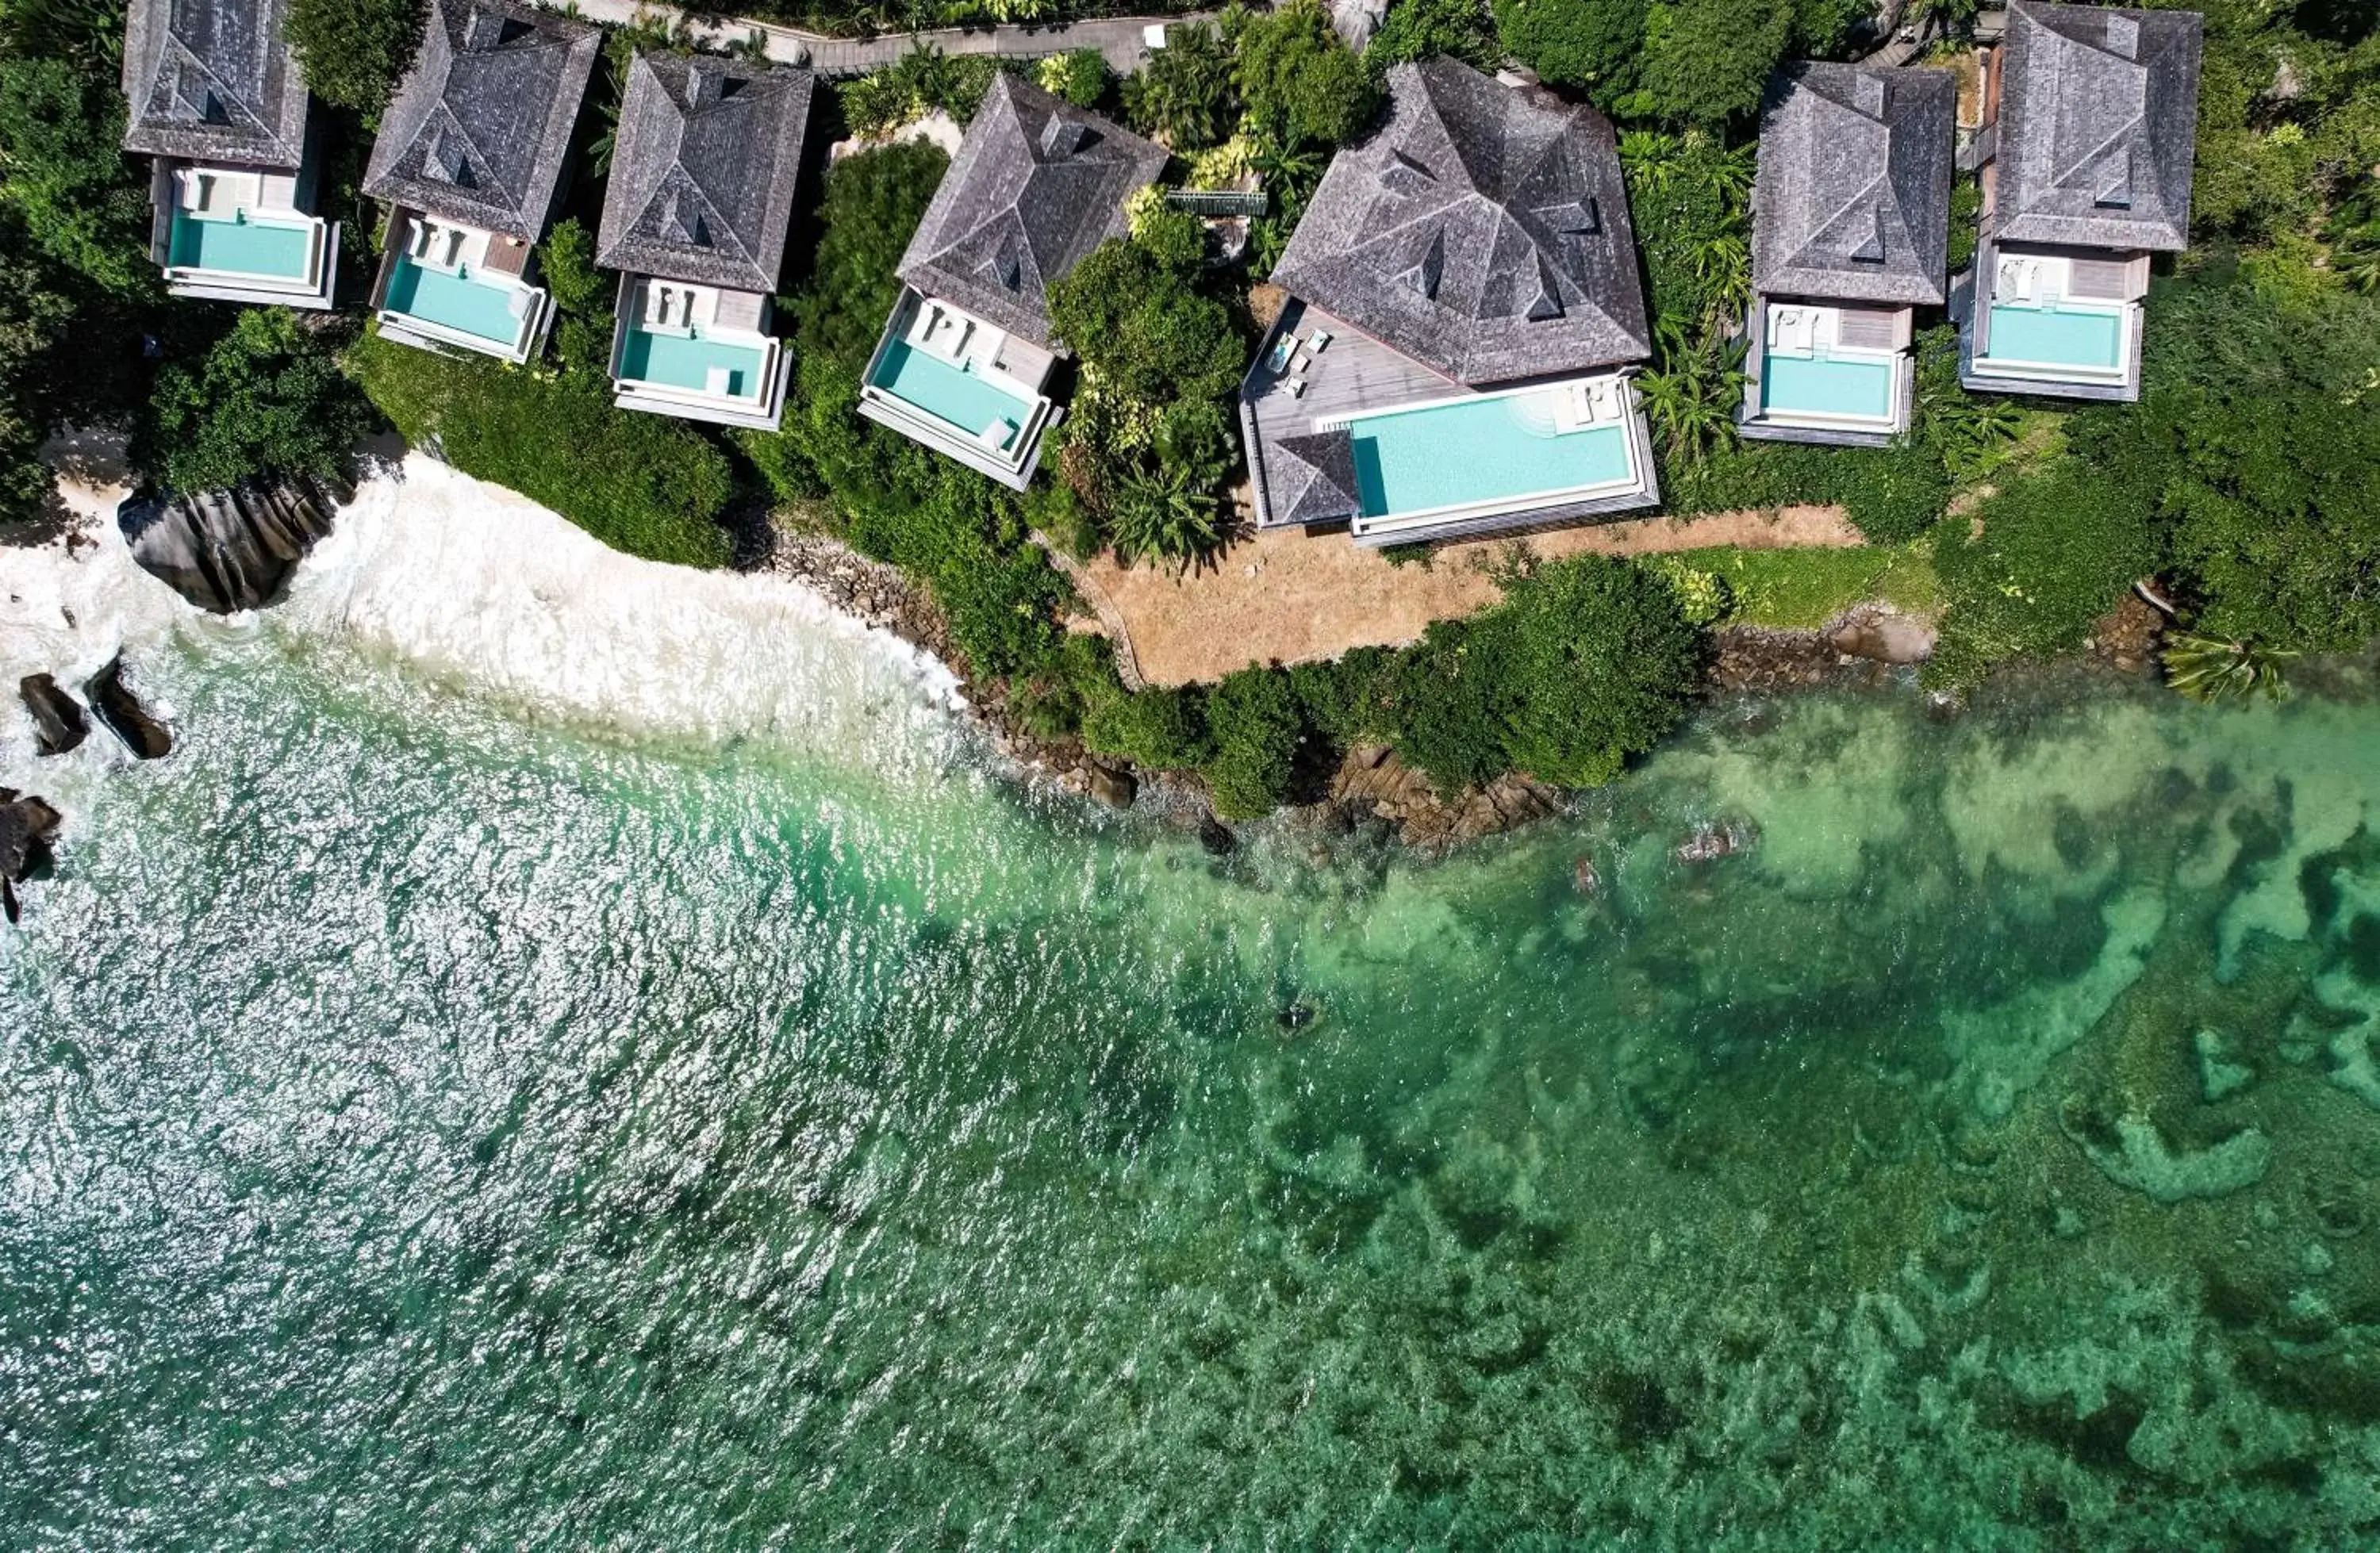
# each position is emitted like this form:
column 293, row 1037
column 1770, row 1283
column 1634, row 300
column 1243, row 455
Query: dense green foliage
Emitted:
column 60, row 124
column 1253, row 730
column 1707, row 61
column 641, row 483
column 1417, row 30
column 34, row 319
column 1300, row 84
column 921, row 81
column 1184, row 92
column 1080, row 76
column 269, row 398
column 1595, row 45
column 354, row 51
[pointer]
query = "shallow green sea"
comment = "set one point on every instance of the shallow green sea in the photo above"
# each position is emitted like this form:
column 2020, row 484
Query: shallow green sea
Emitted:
column 427, row 1125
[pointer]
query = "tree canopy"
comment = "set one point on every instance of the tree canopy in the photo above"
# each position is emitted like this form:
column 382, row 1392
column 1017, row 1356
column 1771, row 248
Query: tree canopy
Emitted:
column 354, row 51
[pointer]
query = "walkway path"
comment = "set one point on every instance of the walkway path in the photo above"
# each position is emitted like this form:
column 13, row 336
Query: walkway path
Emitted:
column 1120, row 39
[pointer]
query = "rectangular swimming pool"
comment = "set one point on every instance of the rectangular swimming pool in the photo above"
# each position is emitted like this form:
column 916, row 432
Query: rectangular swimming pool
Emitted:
column 679, row 361
column 460, row 302
column 1479, row 450
column 1850, row 387
column 241, row 245
column 953, row 394
column 2089, row 338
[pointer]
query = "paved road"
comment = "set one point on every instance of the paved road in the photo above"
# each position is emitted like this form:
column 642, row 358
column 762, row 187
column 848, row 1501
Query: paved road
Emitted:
column 1119, row 38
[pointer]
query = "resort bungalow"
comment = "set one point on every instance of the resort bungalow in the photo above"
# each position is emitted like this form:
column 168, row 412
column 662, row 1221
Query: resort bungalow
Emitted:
column 967, row 357
column 1850, row 220
column 218, row 102
column 1463, row 303
column 470, row 161
column 2090, row 120
column 703, row 169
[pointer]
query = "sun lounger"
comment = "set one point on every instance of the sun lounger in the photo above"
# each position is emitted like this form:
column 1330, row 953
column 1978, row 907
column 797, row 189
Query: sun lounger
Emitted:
column 1298, row 388
column 1318, row 339
column 718, row 382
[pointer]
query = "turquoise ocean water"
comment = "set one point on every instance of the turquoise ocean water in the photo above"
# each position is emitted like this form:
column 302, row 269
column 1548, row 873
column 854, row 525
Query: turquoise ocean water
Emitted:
column 429, row 1124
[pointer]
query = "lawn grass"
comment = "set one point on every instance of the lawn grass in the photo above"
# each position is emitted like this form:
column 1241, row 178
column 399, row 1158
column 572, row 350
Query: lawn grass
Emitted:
column 1803, row 587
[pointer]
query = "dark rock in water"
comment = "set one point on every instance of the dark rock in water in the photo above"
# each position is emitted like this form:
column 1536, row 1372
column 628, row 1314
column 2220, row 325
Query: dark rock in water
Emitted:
column 1583, row 876
column 1882, row 635
column 125, row 716
column 27, row 828
column 1116, row 789
column 58, row 717
column 228, row 551
column 1710, row 842
column 1294, row 1018
column 1216, row 837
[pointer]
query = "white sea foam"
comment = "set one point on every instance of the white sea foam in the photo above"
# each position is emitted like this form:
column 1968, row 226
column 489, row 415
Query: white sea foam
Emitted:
column 471, row 582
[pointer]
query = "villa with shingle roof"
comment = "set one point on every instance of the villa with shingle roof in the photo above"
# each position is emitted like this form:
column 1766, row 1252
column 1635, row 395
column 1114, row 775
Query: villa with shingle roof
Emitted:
column 704, row 166
column 470, row 161
column 2090, row 128
column 218, row 102
column 1464, row 309
column 965, row 363
column 1850, row 226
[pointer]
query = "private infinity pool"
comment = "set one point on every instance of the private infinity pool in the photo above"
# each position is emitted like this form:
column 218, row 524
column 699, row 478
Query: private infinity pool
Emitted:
column 1482, row 451
column 459, row 300
column 696, row 363
column 2084, row 339
column 955, row 395
column 239, row 244
column 1846, row 388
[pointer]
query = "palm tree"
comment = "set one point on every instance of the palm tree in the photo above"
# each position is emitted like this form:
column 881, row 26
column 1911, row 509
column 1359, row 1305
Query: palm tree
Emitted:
column 1160, row 513
column 2211, row 668
column 1691, row 399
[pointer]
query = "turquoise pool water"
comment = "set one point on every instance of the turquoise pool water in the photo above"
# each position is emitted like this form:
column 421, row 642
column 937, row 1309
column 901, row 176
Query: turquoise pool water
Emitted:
column 949, row 393
column 2057, row 336
column 1477, row 450
column 1849, row 387
column 240, row 246
column 677, row 361
column 460, row 302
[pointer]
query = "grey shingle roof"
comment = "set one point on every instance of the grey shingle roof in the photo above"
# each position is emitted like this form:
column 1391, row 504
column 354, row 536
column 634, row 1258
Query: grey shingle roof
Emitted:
column 2098, row 121
column 703, row 171
column 1482, row 230
column 1317, row 480
column 480, row 124
column 1852, row 199
column 1037, row 185
column 212, row 80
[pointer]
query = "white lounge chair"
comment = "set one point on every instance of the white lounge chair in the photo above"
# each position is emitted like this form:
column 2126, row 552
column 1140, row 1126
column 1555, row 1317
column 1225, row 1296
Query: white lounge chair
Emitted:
column 1317, row 340
column 718, row 383
column 1298, row 388
column 997, row 435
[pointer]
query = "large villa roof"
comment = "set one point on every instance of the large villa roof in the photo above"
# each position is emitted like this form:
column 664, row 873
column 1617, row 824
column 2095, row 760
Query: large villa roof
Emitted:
column 1482, row 231
column 1853, row 198
column 2097, row 125
column 480, row 124
column 212, row 80
column 703, row 171
column 1037, row 185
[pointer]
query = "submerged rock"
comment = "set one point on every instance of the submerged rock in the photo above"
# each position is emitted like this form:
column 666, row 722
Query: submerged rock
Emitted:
column 228, row 551
column 125, row 716
column 1216, row 837
column 58, row 717
column 2219, row 1078
column 2138, row 1157
column 1708, row 843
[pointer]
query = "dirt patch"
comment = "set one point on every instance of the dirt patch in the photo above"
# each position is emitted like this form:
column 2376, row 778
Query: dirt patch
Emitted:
column 1286, row 598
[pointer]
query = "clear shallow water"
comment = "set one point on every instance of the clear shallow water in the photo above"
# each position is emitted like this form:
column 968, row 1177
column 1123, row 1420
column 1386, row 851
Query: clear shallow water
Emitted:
column 435, row 1118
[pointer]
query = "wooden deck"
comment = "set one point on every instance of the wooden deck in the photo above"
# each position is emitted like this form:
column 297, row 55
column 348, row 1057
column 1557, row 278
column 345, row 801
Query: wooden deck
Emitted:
column 1355, row 373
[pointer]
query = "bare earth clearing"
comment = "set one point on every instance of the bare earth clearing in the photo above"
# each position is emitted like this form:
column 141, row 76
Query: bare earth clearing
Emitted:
column 1285, row 597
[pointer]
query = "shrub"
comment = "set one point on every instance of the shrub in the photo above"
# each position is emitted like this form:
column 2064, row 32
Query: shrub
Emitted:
column 1415, row 30
column 1161, row 730
column 641, row 483
column 1603, row 664
column 871, row 207
column 1185, row 90
column 61, row 126
column 1707, row 61
column 354, row 51
column 1080, row 76
column 1254, row 729
column 1299, row 82
column 1593, row 44
column 268, row 399
column 582, row 297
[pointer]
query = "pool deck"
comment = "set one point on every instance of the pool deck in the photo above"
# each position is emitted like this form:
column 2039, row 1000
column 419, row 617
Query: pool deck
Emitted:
column 1356, row 375
column 1754, row 422
column 1285, row 596
column 1971, row 292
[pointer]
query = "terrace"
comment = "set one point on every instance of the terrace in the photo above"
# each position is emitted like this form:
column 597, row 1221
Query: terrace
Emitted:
column 2046, row 321
column 1822, row 372
column 698, row 353
column 962, row 386
column 1344, row 429
column 221, row 232
column 442, row 284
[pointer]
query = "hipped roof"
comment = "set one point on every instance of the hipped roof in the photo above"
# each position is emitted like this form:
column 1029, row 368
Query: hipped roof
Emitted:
column 212, row 81
column 1853, row 197
column 703, row 170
